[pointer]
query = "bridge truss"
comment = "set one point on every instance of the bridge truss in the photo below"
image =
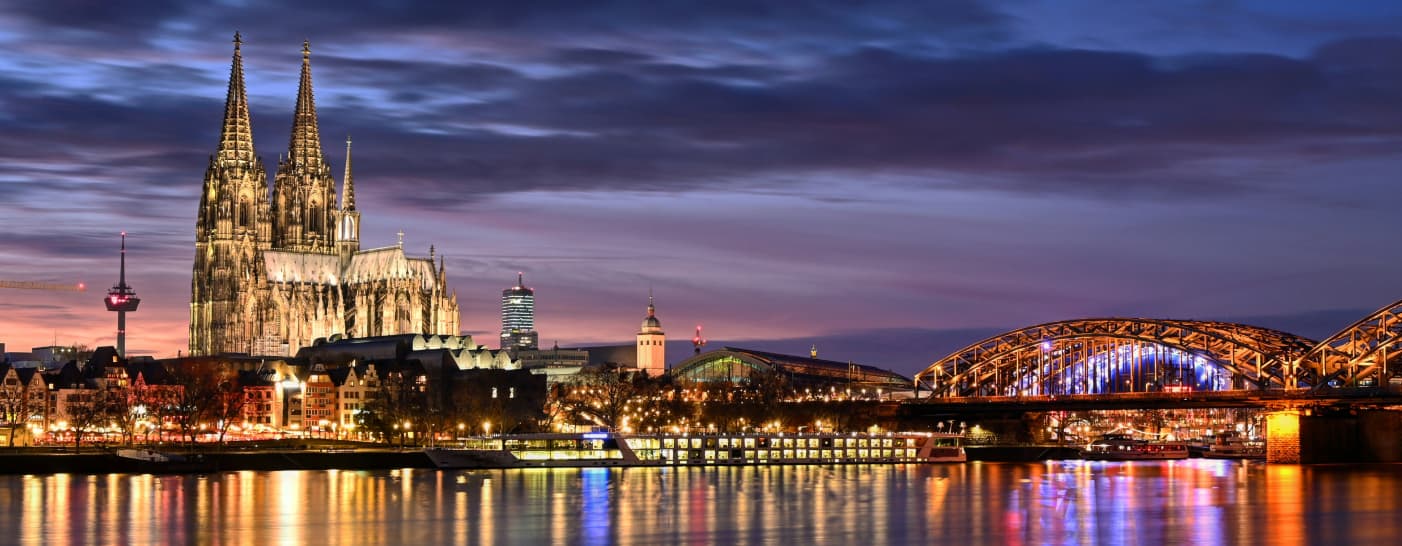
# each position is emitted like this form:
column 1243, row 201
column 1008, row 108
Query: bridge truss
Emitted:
column 1120, row 355
column 1367, row 352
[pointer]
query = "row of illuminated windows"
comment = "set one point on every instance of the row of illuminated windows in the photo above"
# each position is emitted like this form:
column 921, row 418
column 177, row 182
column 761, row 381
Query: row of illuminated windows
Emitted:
column 568, row 455
column 711, row 455
column 781, row 442
column 558, row 444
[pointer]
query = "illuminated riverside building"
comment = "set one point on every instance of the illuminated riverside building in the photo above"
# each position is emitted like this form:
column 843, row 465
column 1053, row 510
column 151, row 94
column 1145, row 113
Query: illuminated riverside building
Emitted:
column 734, row 365
column 518, row 317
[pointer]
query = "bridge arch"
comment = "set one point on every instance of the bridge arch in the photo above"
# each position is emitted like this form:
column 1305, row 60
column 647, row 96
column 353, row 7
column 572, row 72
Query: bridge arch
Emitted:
column 1105, row 355
column 1366, row 351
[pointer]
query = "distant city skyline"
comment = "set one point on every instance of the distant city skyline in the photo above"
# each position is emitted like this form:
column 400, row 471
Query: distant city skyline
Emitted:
column 888, row 184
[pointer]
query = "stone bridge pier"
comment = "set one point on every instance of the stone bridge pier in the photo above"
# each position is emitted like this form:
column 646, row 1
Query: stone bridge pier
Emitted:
column 1314, row 435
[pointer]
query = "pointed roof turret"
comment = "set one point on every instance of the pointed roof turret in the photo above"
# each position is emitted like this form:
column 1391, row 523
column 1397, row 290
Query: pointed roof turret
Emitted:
column 348, row 183
column 305, row 147
column 236, row 136
column 650, row 323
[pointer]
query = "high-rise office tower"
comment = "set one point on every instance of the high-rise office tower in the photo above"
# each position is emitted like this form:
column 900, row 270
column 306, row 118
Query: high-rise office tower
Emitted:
column 518, row 317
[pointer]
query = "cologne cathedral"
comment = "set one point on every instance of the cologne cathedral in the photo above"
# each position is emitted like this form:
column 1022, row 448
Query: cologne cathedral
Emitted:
column 275, row 274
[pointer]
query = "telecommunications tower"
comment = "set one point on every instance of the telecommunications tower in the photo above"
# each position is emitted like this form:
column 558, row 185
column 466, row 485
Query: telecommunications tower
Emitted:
column 122, row 299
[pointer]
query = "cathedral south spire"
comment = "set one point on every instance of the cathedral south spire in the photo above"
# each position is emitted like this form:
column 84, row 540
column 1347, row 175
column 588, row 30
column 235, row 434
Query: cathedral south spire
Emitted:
column 305, row 214
column 236, row 136
column 305, row 147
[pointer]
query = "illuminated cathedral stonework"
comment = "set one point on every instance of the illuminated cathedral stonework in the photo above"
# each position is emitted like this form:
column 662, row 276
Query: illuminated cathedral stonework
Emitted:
column 273, row 275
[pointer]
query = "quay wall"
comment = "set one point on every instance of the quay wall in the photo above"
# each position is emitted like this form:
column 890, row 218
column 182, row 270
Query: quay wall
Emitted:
column 104, row 463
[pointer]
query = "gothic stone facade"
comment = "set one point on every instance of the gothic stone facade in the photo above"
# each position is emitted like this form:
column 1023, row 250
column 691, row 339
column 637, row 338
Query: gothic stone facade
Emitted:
column 273, row 275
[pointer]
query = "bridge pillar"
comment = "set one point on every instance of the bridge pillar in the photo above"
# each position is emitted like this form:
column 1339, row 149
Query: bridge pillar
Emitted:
column 1333, row 435
column 1283, row 436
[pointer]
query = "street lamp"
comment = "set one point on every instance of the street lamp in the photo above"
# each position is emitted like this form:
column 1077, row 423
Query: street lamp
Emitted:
column 487, row 427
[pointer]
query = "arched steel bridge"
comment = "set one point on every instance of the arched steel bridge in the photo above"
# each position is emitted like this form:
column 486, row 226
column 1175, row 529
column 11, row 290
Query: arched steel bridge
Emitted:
column 1365, row 352
column 1121, row 355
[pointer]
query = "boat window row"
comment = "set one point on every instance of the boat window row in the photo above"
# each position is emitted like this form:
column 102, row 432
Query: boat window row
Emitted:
column 711, row 442
column 711, row 456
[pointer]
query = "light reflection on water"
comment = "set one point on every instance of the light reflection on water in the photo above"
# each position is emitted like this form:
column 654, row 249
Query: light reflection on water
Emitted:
column 1197, row 502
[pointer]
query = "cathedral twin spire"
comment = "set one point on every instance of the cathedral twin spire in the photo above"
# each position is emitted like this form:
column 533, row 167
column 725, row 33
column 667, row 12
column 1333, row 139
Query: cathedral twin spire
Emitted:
column 304, row 215
column 236, row 136
column 241, row 230
column 305, row 146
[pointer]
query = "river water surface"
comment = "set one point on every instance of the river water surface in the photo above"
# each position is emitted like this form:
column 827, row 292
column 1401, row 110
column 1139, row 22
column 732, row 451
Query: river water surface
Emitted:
column 1198, row 502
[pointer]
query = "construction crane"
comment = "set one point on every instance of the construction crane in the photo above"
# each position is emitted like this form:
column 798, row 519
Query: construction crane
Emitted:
column 31, row 285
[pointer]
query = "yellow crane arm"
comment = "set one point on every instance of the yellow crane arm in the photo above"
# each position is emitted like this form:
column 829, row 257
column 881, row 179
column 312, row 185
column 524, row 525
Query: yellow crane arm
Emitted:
column 30, row 285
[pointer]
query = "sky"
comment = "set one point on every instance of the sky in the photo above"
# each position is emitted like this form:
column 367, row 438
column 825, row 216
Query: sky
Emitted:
column 886, row 180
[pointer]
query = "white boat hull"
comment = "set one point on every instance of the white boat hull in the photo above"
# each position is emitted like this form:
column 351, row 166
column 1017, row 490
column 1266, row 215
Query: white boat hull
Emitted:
column 1109, row 456
column 709, row 450
column 147, row 455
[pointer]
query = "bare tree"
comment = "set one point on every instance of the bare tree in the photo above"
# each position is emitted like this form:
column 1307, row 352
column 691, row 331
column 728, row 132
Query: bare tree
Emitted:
column 606, row 395
column 227, row 404
column 207, row 394
column 119, row 405
column 87, row 409
column 161, row 404
column 398, row 402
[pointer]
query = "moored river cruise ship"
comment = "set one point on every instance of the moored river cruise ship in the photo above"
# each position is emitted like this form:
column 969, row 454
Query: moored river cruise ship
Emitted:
column 1123, row 447
column 615, row 449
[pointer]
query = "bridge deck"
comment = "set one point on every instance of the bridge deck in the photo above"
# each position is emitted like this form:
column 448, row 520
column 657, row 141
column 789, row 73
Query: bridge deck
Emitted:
column 1266, row 399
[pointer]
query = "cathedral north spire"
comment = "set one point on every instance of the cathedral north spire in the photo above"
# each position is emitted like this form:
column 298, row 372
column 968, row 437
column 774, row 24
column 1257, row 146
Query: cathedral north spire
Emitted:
column 305, row 147
column 236, row 136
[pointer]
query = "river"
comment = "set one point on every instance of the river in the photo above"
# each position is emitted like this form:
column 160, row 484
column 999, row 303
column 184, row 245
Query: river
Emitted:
column 1197, row 502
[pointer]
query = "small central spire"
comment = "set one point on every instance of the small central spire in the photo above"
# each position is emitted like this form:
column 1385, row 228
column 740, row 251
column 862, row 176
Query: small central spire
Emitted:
column 305, row 147
column 651, row 309
column 348, row 191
